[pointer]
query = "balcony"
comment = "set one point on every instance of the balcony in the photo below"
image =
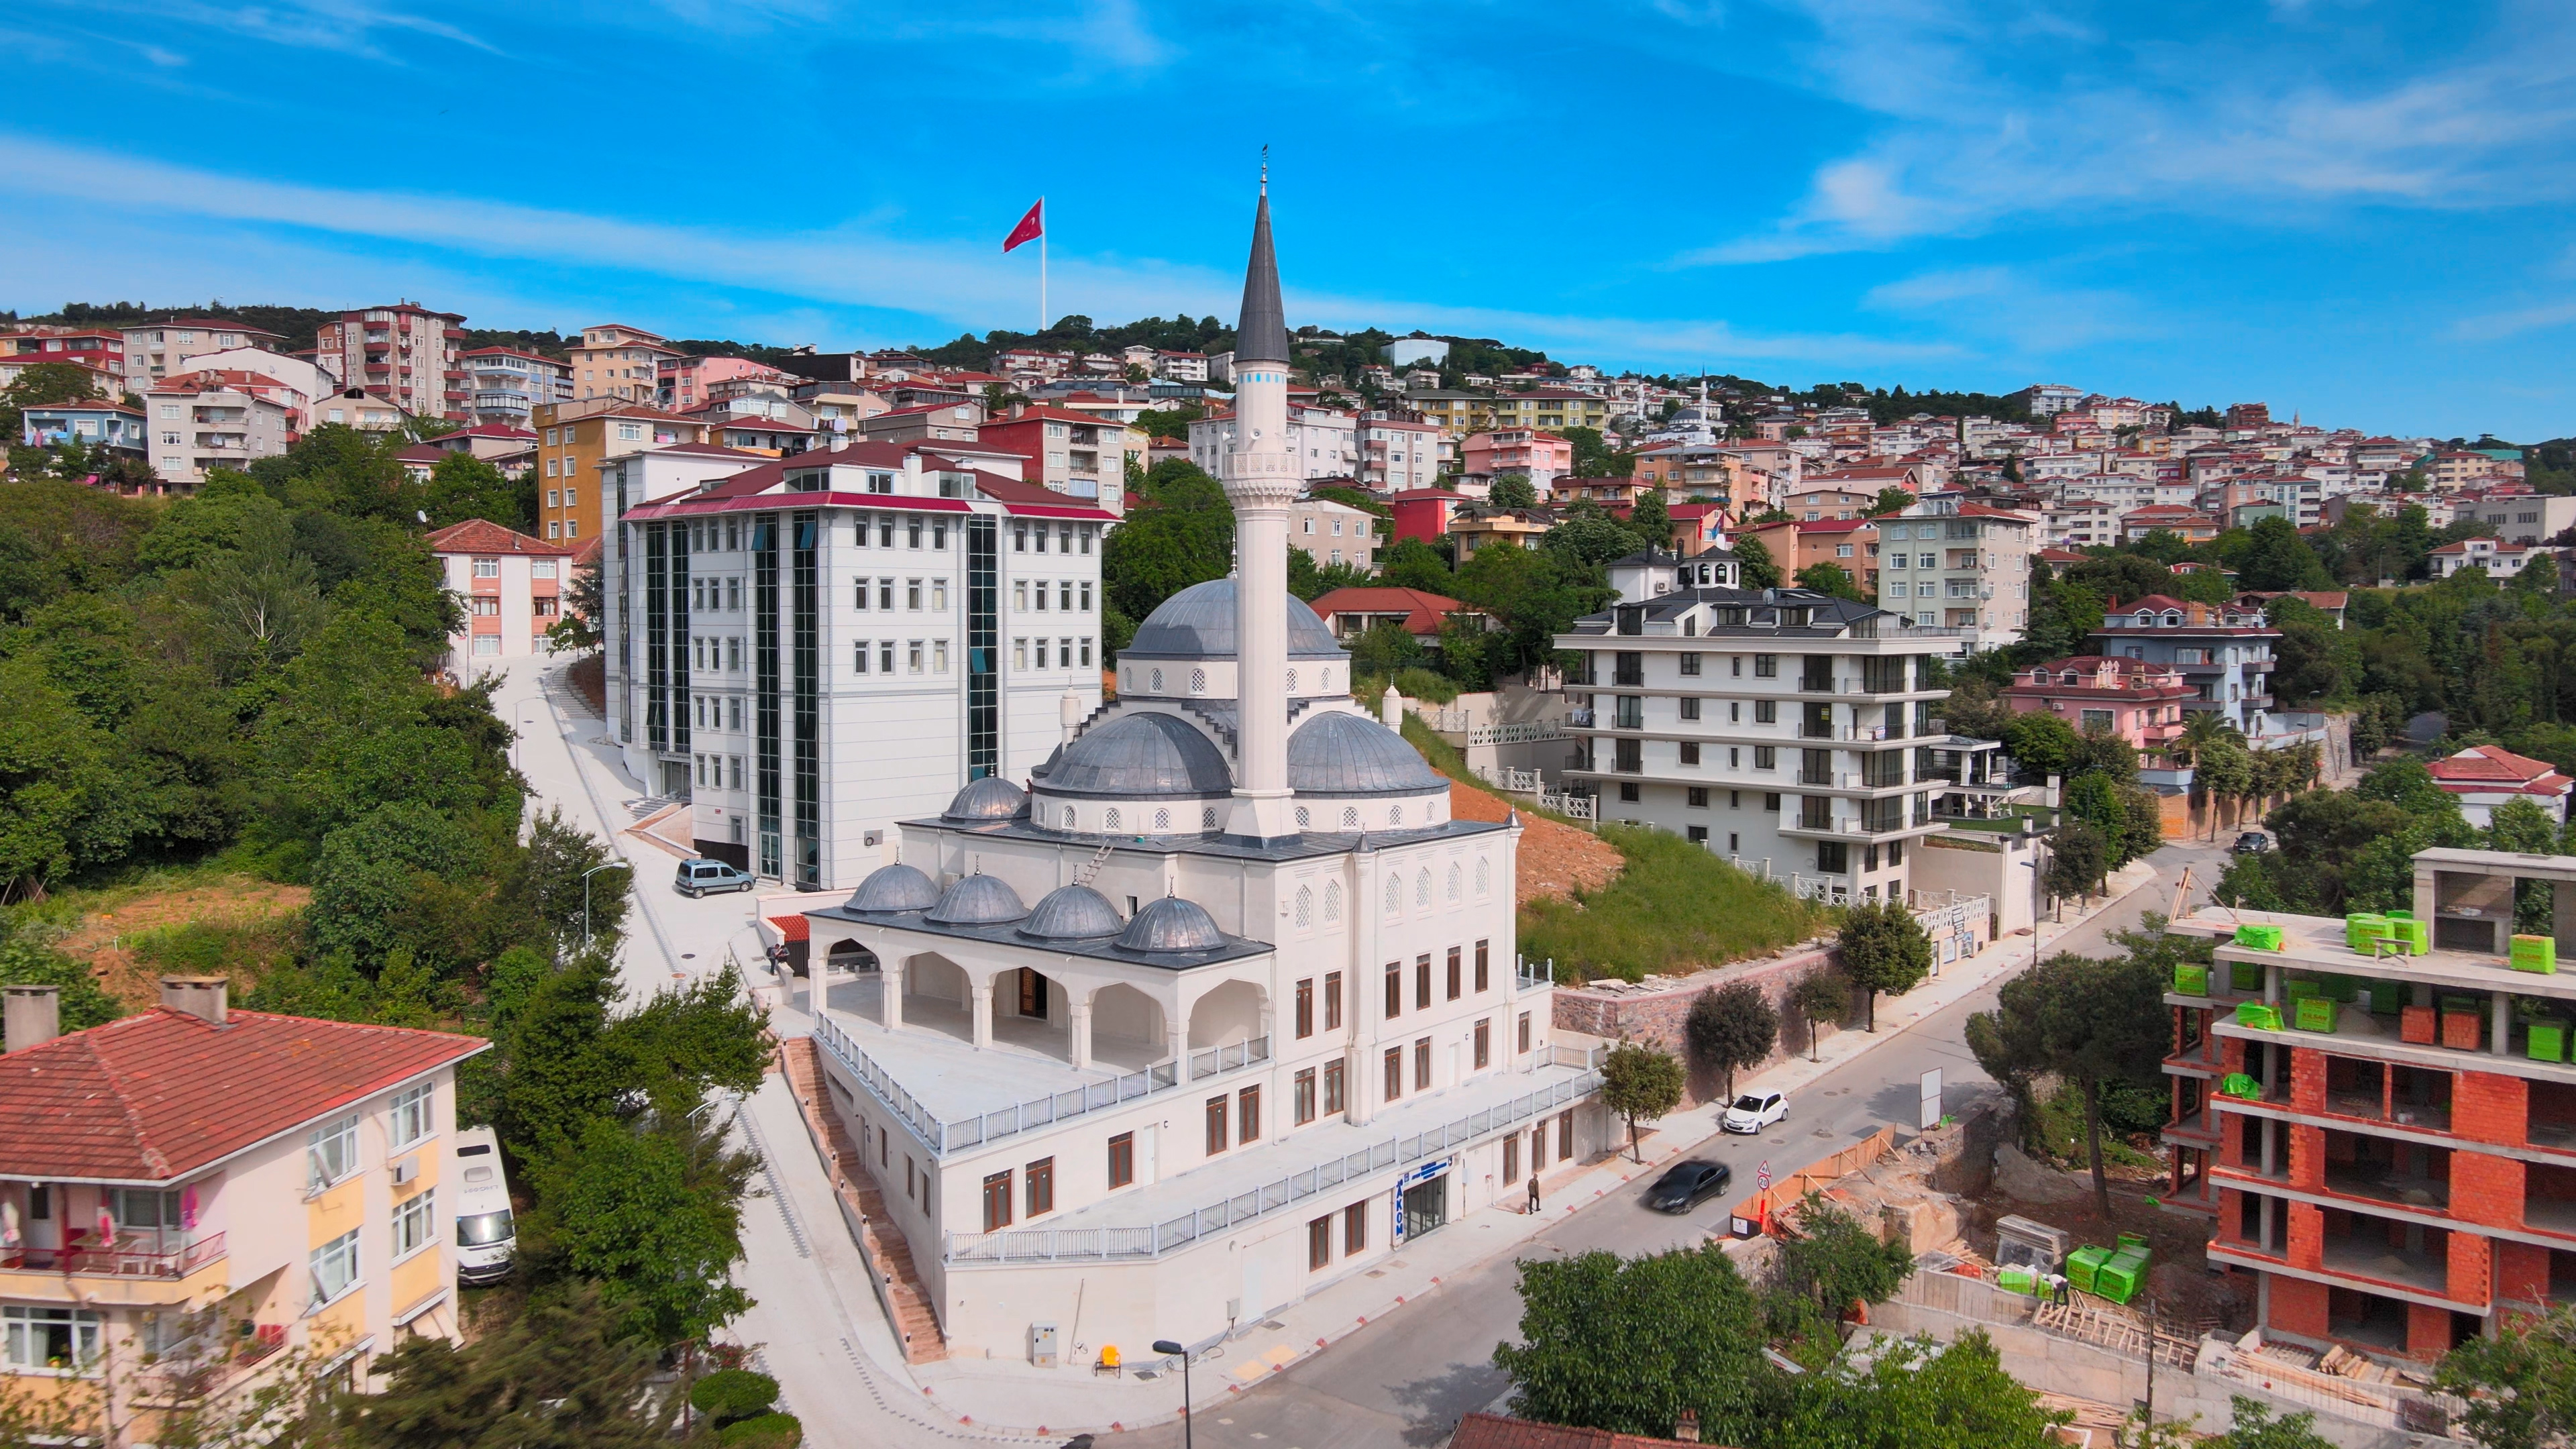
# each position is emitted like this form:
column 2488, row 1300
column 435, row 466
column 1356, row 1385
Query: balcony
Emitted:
column 139, row 1256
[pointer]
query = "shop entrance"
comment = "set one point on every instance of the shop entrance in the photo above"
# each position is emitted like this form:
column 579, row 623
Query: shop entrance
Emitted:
column 1426, row 1205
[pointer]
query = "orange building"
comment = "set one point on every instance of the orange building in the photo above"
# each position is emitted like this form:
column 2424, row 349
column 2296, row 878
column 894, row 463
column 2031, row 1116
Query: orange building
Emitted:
column 571, row 444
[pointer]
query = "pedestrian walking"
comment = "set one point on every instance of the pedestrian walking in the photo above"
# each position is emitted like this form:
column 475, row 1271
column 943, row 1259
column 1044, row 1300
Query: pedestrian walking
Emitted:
column 1533, row 1201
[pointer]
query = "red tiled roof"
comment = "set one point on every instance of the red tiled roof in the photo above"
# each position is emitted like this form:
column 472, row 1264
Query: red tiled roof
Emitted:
column 2494, row 765
column 481, row 535
column 1422, row 609
column 1494, row 1431
column 154, row 1097
column 792, row 928
column 423, row 453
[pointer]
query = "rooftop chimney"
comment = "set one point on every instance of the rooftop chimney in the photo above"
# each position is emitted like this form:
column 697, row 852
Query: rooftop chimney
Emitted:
column 1686, row 1427
column 199, row 996
column 34, row 1016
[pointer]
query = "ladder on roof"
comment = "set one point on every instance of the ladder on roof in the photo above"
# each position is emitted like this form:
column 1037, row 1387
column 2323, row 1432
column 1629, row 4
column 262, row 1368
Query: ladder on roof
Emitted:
column 1090, row 870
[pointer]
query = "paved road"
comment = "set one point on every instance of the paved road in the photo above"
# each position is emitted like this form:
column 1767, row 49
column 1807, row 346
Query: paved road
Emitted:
column 1408, row 1378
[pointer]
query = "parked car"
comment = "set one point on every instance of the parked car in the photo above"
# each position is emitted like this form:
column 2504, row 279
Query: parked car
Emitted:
column 698, row 877
column 1685, row 1185
column 487, row 1240
column 2253, row 842
column 1754, row 1111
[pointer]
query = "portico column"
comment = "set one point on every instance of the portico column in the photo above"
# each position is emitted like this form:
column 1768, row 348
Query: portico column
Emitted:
column 983, row 1012
column 890, row 1003
column 1081, row 1009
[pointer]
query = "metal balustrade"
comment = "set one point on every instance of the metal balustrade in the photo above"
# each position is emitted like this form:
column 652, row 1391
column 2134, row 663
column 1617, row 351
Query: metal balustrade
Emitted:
column 1218, row 1059
column 942, row 1136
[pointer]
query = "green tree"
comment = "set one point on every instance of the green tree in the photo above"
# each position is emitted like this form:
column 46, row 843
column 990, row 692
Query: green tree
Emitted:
column 2252, row 1426
column 1595, row 538
column 1179, row 531
column 27, row 959
column 1594, row 457
column 1640, row 1084
column 1830, row 578
column 650, row 1212
column 376, row 883
column 2041, row 743
column 1822, row 995
column 1916, row 1393
column 2276, row 557
column 1629, row 1345
column 2095, row 1023
column 577, row 629
column 1512, row 490
column 2095, row 800
column 2079, row 857
column 1729, row 1028
column 1833, row 1262
column 1883, row 950
column 463, row 486
column 1754, row 565
column 1652, row 520
column 1384, row 648
column 1889, row 500
column 2520, row 1385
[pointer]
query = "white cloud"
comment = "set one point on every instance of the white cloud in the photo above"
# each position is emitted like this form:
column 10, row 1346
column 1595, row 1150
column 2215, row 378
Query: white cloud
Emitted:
column 350, row 26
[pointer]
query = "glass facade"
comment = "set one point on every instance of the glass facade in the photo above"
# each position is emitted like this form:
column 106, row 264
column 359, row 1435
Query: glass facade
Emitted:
column 805, row 601
column 983, row 647
column 764, row 694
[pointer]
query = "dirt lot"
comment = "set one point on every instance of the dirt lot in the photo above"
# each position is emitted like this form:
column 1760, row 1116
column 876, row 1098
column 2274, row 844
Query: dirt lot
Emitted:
column 1556, row 860
column 2180, row 1281
column 123, row 940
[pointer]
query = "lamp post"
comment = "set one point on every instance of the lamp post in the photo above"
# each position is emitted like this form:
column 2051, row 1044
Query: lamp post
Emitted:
column 1165, row 1345
column 585, row 898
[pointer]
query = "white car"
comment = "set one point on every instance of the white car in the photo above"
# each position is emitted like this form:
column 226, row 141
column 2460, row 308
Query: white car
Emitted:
column 1754, row 1111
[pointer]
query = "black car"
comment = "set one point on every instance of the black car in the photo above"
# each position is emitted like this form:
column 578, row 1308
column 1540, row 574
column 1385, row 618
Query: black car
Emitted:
column 1685, row 1185
column 2253, row 842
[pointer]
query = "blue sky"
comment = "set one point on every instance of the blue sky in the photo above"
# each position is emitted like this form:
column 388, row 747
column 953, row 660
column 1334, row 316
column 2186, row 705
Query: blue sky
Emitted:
column 2352, row 210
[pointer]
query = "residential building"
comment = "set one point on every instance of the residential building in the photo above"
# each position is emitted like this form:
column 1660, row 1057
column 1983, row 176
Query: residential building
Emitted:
column 1815, row 504
column 404, row 352
column 2500, row 559
column 2483, row 777
column 1071, row 453
column 1616, row 494
column 1541, row 457
column 368, row 412
column 164, row 349
column 754, row 433
column 1849, row 544
column 511, row 588
column 2524, row 518
column 1652, row 573
column 2189, row 525
column 1230, row 953
column 839, row 407
column 2330, row 602
column 1324, row 441
column 2048, row 399
column 508, row 385
column 2460, row 468
column 95, row 423
column 1548, row 408
column 1426, row 513
column 2137, row 701
column 2389, row 1158
column 499, row 444
column 613, row 360
column 1333, row 533
column 1961, row 565
column 310, row 383
column 100, row 349
column 1349, row 613
column 1786, row 728
column 683, row 383
column 948, row 422
column 1475, row 528
column 573, row 448
column 1181, row 366
column 2223, row 650
column 1459, row 411
column 2080, row 523
column 1394, row 456
column 199, row 1197
column 201, row 421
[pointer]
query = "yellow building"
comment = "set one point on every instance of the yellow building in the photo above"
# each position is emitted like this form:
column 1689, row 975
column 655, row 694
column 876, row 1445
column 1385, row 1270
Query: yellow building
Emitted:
column 574, row 438
column 613, row 360
column 1548, row 407
column 194, row 1198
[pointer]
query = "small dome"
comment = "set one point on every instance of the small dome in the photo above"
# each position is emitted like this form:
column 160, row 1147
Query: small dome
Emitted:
column 1198, row 623
column 1172, row 924
column 1072, row 913
column 978, row 900
column 986, row 800
column 894, row 888
column 1340, row 753
column 1141, row 755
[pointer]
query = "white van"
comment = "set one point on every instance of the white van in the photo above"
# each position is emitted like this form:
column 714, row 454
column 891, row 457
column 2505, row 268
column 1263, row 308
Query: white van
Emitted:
column 485, row 1236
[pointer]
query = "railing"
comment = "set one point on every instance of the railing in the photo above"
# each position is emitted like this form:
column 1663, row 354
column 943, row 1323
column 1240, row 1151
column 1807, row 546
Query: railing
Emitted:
column 1528, row 975
column 1523, row 732
column 943, row 1136
column 1228, row 1058
column 124, row 1261
column 1511, row 780
column 1059, row 1244
column 1829, row 889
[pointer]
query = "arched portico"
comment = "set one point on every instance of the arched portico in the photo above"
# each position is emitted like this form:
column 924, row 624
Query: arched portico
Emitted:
column 1226, row 1014
column 1122, row 1028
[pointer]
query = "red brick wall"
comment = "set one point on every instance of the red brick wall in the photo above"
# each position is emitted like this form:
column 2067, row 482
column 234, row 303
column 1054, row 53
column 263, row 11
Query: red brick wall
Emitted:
column 2307, row 1079
column 2428, row 1331
column 2298, row 1306
column 2522, row 1272
column 2231, row 1053
column 2487, row 1107
column 2231, row 1215
column 2486, row 1189
column 2472, row 1269
column 2307, row 1246
column 2236, row 1139
column 2307, row 1156
column 1655, row 1017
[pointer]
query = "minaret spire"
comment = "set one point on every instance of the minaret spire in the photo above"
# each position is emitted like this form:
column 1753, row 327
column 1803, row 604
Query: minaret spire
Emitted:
column 1261, row 481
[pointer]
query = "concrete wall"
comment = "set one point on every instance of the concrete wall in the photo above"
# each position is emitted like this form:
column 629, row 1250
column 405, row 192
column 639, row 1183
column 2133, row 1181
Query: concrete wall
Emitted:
column 1979, row 863
column 1654, row 1016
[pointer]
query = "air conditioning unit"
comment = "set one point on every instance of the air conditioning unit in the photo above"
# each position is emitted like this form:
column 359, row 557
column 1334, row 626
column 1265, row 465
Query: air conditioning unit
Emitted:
column 406, row 1170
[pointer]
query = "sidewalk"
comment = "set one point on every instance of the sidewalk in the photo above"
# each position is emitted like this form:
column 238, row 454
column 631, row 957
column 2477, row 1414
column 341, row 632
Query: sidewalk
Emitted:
column 1007, row 1400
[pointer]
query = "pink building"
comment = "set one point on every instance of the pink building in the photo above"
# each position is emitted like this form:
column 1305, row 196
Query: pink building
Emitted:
column 2136, row 699
column 512, row 587
column 1540, row 456
column 683, row 384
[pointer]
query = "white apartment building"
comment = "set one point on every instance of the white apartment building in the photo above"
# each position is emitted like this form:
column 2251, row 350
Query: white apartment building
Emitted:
column 2518, row 517
column 1323, row 442
column 1333, row 533
column 2080, row 523
column 510, row 586
column 1397, row 457
column 1959, row 565
column 308, row 382
column 172, row 346
column 404, row 352
column 1222, row 1009
column 202, row 421
column 813, row 648
column 1790, row 730
column 509, row 385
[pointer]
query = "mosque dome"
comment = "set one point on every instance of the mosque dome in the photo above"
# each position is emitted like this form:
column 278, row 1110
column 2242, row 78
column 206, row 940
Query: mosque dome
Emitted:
column 1172, row 924
column 978, row 900
column 1198, row 623
column 1072, row 913
column 989, row 800
column 894, row 888
column 1142, row 754
column 1340, row 753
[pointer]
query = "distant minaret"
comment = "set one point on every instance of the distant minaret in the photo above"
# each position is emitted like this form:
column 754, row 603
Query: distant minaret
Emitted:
column 1260, row 478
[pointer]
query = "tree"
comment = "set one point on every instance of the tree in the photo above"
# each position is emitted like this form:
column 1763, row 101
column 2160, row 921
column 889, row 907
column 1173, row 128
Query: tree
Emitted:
column 1830, row 578
column 2041, row 743
column 650, row 1211
column 2520, row 1384
column 1889, row 500
column 1384, row 648
column 1652, row 520
column 1512, row 490
column 577, row 629
column 1630, row 1345
column 462, row 486
column 1729, row 1028
column 2095, row 800
column 1593, row 455
column 2251, row 1426
column 1833, row 1262
column 2095, row 1023
column 1883, row 949
column 1754, row 565
column 1822, row 995
column 2276, row 557
column 1640, row 1084
column 2079, row 859
column 1595, row 538
column 1920, row 1394
column 1179, row 531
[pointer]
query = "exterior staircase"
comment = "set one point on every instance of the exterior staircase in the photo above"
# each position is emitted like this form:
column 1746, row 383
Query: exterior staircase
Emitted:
column 889, row 1257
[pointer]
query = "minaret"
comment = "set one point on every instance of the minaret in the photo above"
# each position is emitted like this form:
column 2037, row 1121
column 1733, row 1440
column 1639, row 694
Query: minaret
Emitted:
column 1261, row 481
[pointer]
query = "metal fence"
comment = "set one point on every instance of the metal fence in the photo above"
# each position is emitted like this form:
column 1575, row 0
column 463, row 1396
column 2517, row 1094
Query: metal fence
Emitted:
column 945, row 1136
column 1217, row 1059
column 1967, row 1297
column 1061, row 1244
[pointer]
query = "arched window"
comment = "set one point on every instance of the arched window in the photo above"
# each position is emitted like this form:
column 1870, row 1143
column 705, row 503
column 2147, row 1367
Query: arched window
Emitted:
column 1422, row 887
column 1332, row 901
column 1109, row 820
column 1292, row 681
column 1198, row 681
column 1350, row 817
column 1068, row 817
column 1207, row 818
column 1454, row 879
column 1395, row 815
column 1484, row 875
column 1304, row 820
column 1158, row 681
column 1328, row 681
column 1394, row 894
column 1162, row 820
column 1305, row 907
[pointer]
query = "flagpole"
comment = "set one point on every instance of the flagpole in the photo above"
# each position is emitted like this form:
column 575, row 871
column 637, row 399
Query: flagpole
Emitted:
column 1042, row 307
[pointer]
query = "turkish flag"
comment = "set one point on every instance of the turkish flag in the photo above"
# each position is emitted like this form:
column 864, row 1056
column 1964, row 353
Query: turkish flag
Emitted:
column 1031, row 227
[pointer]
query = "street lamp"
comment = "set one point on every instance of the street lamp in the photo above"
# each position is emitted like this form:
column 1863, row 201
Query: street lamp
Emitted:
column 1165, row 1345
column 585, row 898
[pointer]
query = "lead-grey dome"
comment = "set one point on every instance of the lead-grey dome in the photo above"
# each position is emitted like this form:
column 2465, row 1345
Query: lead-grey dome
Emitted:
column 1340, row 753
column 1141, row 755
column 1172, row 924
column 988, row 800
column 1198, row 623
column 894, row 888
column 978, row 900
column 1072, row 913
